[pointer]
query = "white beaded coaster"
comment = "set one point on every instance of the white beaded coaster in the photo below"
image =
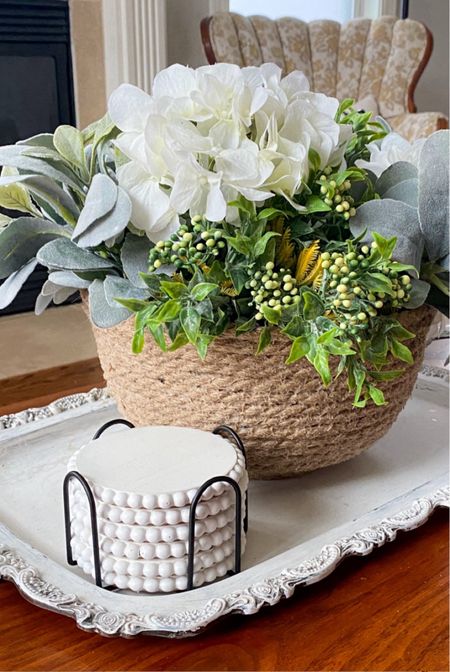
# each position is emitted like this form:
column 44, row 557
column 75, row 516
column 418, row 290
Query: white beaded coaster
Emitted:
column 172, row 516
column 152, row 533
column 156, row 467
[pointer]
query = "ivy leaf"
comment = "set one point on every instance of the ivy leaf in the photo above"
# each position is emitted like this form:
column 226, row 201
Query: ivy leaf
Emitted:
column 315, row 204
column 190, row 321
column 265, row 338
column 336, row 347
column 376, row 282
column 137, row 344
column 202, row 344
column 168, row 311
column 180, row 340
column 387, row 375
column 261, row 244
column 242, row 244
column 271, row 315
column 376, row 395
column 401, row 352
column 246, row 326
column 312, row 306
column 299, row 348
column 269, row 213
column 385, row 246
column 135, row 305
column 202, row 290
column 173, row 289
column 322, row 366
column 157, row 331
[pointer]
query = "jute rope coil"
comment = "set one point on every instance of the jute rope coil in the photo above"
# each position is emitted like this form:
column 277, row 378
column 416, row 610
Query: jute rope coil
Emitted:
column 289, row 423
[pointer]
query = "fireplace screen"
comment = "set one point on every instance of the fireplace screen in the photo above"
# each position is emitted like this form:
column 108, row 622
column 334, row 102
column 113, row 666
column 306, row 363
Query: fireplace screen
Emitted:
column 36, row 85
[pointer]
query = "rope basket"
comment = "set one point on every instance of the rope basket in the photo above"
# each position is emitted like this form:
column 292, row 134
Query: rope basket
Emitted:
column 289, row 423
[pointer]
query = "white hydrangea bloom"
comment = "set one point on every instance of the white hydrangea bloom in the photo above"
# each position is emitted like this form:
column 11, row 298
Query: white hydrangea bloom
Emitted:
column 393, row 148
column 207, row 136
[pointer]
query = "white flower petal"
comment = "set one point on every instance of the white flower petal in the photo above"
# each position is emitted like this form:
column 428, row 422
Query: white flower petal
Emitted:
column 129, row 107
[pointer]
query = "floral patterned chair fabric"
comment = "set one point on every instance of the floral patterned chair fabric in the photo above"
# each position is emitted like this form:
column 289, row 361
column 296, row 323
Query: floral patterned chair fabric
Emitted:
column 376, row 62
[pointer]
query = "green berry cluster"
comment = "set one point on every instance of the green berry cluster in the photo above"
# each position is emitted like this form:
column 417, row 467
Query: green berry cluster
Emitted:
column 193, row 243
column 272, row 288
column 353, row 304
column 337, row 196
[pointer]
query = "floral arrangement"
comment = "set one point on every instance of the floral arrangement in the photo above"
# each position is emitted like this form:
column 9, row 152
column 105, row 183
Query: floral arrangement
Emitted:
column 236, row 198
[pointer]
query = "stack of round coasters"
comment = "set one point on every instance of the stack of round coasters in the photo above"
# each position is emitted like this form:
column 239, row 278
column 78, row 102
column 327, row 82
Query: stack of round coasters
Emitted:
column 144, row 481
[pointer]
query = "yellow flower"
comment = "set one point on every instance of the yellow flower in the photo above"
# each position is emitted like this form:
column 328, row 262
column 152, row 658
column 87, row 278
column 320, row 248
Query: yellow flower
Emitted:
column 309, row 266
column 284, row 251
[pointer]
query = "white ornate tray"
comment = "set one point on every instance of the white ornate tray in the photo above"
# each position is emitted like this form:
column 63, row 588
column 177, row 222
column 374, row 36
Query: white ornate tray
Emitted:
column 299, row 529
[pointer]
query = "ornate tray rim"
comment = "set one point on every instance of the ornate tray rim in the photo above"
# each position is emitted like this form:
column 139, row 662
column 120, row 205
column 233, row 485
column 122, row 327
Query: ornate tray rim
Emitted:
column 96, row 618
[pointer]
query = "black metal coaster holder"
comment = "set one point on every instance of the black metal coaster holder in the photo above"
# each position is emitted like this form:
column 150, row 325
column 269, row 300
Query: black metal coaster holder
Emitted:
column 240, row 525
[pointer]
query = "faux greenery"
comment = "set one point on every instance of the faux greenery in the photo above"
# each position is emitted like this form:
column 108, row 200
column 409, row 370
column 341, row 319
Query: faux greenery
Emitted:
column 329, row 261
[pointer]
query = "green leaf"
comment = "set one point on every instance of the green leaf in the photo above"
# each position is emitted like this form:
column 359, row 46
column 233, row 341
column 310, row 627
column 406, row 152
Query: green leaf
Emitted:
column 299, row 348
column 271, row 315
column 238, row 274
column 315, row 204
column 312, row 305
column 22, row 239
column 190, row 321
column 401, row 352
column 168, row 311
column 216, row 272
column 385, row 246
column 387, row 375
column 202, row 344
column 173, row 289
column 69, row 143
column 202, row 290
column 246, row 326
column 137, row 344
column 261, row 244
column 102, row 314
column 180, row 341
column 376, row 395
column 269, row 213
column 135, row 305
column 376, row 282
column 336, row 347
column 242, row 244
column 157, row 331
column 321, row 364
column 265, row 338
column 401, row 333
column 314, row 159
column 15, row 156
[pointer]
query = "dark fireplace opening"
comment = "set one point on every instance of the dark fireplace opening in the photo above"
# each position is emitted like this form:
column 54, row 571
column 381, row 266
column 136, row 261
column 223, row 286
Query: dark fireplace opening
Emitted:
column 36, row 86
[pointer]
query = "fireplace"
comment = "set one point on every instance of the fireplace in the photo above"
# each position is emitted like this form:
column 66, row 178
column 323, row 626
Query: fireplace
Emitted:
column 36, row 86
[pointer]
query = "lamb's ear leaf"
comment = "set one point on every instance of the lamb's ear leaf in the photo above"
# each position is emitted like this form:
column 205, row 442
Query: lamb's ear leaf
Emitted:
column 102, row 313
column 406, row 191
column 21, row 240
column 16, row 156
column 68, row 141
column 398, row 172
column 100, row 200
column 434, row 194
column 391, row 218
column 110, row 225
column 40, row 140
column 52, row 292
column 134, row 257
column 10, row 288
column 63, row 254
column 122, row 288
column 46, row 188
column 69, row 279
column 418, row 294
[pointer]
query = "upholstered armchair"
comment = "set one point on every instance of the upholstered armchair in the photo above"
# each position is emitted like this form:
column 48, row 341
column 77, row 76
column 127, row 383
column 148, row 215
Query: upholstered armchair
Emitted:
column 376, row 62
